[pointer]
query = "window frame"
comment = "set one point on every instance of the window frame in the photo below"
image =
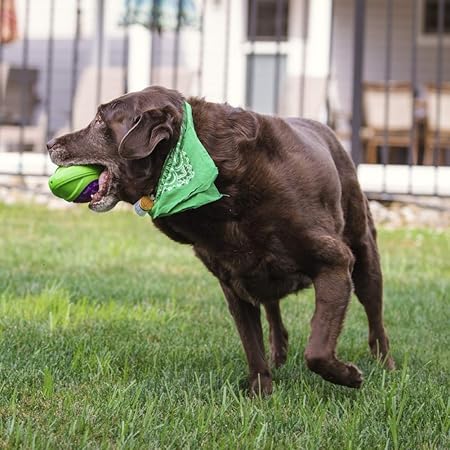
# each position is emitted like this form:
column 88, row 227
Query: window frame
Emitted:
column 256, row 38
column 429, row 39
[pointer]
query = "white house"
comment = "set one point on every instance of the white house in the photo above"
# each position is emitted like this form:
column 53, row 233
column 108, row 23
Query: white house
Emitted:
column 288, row 57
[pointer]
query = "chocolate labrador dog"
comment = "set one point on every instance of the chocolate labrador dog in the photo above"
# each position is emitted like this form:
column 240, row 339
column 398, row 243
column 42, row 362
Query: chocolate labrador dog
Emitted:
column 292, row 215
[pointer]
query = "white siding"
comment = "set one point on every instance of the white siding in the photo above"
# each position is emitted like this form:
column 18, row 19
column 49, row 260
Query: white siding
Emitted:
column 342, row 61
column 64, row 32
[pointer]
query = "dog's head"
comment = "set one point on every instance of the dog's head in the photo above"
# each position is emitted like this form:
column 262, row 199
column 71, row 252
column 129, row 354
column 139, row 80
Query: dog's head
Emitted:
column 130, row 137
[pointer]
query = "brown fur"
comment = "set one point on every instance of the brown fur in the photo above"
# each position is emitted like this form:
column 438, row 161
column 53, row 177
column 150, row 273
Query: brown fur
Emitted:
column 293, row 215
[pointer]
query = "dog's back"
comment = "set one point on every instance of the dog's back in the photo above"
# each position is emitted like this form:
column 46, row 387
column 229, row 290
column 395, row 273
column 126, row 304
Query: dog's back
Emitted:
column 320, row 138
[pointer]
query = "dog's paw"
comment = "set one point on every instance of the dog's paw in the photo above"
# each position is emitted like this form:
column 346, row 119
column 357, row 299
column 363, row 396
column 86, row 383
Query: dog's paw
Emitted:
column 261, row 385
column 354, row 377
column 335, row 371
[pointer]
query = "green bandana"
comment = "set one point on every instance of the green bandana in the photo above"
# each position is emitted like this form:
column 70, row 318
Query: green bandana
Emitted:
column 188, row 174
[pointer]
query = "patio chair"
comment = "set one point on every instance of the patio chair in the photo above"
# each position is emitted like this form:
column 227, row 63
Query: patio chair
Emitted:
column 399, row 118
column 435, row 124
column 18, row 103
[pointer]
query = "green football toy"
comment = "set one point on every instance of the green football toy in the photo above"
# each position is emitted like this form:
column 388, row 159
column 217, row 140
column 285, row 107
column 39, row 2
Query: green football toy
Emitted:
column 75, row 183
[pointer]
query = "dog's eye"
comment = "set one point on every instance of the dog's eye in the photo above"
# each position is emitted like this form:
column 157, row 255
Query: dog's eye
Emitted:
column 98, row 120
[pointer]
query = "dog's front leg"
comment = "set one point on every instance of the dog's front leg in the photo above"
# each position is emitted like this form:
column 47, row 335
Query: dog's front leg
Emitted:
column 248, row 322
column 278, row 333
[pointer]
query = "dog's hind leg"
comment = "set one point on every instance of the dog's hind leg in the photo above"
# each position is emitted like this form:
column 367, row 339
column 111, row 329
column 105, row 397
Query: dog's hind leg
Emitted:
column 367, row 279
column 333, row 286
column 278, row 334
column 248, row 322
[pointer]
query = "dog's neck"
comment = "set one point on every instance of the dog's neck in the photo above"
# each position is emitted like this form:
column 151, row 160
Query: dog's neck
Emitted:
column 186, row 180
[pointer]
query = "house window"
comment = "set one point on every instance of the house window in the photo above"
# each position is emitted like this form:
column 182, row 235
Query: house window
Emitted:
column 267, row 57
column 265, row 20
column 263, row 95
column 430, row 24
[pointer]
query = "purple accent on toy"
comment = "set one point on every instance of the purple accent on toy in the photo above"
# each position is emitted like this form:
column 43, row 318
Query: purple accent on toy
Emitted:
column 90, row 189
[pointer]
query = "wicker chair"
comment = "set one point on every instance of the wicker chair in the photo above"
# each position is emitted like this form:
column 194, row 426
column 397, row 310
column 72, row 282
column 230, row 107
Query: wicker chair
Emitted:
column 18, row 106
column 399, row 121
column 437, row 126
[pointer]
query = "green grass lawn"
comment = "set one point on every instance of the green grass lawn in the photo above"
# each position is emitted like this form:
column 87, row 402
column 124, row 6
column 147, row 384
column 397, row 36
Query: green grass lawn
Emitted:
column 112, row 336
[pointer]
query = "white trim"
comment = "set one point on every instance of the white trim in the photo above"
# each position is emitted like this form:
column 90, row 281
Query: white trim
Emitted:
column 423, row 179
column 31, row 163
column 267, row 47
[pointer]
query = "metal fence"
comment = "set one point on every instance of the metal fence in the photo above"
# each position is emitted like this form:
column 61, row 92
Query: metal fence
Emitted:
column 377, row 71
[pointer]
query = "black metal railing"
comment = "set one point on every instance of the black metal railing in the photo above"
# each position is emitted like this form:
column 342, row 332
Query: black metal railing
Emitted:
column 419, row 147
column 265, row 21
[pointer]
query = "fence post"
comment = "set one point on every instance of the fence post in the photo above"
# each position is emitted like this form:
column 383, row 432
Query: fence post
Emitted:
column 358, row 64
column 100, row 48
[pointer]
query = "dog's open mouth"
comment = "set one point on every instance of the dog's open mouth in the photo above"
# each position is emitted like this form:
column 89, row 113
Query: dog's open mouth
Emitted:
column 105, row 198
column 104, row 187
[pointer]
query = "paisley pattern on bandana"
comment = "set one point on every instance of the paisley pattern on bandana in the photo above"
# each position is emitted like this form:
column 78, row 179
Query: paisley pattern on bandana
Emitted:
column 188, row 174
column 179, row 171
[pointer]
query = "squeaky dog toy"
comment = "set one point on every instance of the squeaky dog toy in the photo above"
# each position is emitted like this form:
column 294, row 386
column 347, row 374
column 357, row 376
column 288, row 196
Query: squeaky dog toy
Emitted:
column 79, row 184
column 75, row 183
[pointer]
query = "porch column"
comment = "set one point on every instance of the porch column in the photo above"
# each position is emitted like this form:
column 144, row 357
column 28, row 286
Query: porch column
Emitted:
column 358, row 64
column 139, row 54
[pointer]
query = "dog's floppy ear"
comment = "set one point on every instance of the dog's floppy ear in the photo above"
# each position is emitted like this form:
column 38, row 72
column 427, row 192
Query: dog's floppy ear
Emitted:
column 245, row 125
column 147, row 131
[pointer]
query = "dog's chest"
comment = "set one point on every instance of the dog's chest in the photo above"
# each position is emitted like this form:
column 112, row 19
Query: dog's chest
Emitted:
column 257, row 271
column 255, row 260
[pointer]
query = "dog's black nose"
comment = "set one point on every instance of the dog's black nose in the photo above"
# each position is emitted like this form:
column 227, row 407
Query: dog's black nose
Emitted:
column 51, row 143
